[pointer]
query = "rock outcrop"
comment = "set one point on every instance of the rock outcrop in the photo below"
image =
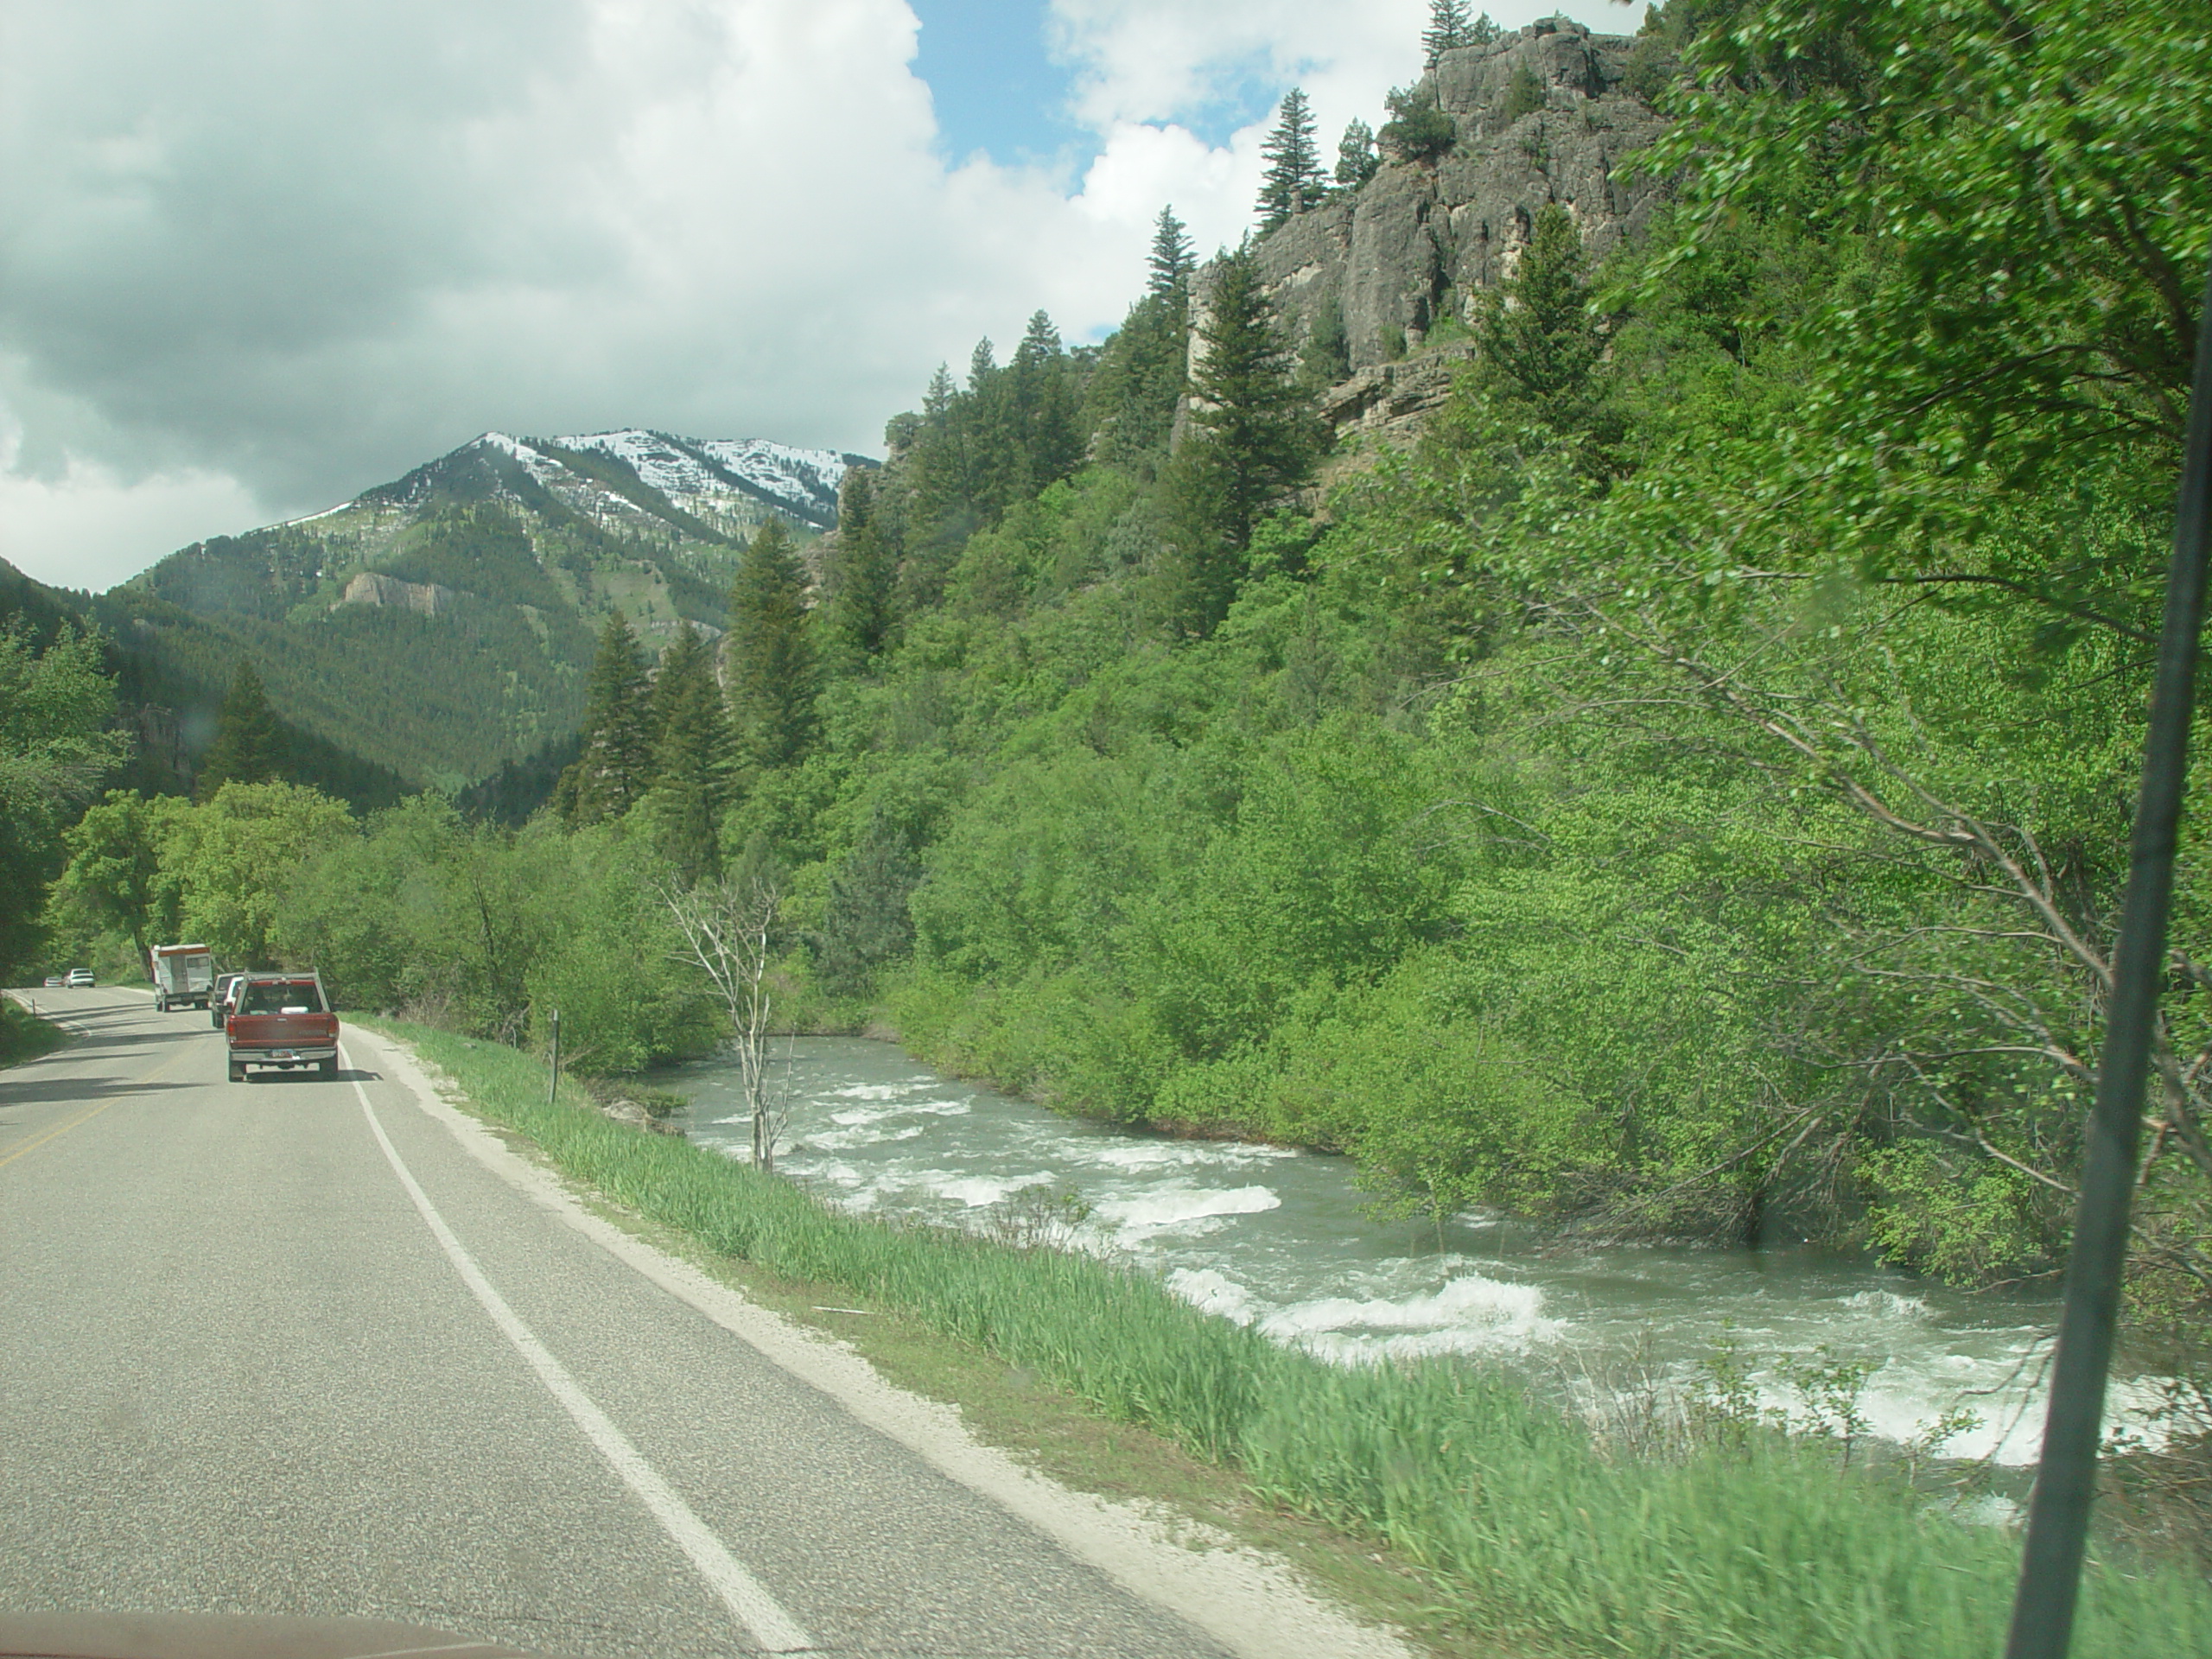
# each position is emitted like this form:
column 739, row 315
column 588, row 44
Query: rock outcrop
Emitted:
column 1420, row 241
column 372, row 588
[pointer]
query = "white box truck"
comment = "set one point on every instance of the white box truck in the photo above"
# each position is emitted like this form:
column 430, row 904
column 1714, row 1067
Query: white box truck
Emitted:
column 184, row 975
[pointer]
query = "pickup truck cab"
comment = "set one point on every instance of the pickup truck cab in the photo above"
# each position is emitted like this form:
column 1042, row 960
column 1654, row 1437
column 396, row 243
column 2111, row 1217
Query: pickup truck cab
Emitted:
column 281, row 1022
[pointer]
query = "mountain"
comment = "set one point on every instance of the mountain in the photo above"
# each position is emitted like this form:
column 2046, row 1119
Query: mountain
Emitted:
column 173, row 721
column 443, row 625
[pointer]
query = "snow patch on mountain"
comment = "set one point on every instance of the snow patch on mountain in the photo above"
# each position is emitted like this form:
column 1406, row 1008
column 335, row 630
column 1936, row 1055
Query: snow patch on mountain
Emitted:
column 802, row 482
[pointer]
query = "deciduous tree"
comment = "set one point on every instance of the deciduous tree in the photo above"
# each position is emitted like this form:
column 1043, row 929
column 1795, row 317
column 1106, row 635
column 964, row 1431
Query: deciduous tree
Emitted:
column 53, row 751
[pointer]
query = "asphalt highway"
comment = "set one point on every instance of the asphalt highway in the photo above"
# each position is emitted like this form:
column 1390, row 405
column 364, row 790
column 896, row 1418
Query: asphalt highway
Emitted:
column 302, row 1348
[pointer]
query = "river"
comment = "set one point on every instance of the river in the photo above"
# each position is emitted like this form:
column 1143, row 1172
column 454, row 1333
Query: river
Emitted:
column 1282, row 1239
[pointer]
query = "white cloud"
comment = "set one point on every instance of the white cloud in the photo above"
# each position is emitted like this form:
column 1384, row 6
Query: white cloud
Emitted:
column 253, row 259
column 90, row 527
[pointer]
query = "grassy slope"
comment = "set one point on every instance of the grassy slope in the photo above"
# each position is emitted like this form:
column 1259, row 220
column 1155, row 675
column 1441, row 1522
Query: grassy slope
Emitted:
column 1517, row 1524
column 23, row 1036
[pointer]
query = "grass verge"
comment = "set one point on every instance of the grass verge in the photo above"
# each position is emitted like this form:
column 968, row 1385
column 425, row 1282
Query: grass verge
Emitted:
column 23, row 1035
column 1520, row 1530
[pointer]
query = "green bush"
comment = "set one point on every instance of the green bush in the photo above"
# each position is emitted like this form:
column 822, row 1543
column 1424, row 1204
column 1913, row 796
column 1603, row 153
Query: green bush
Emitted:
column 1524, row 95
column 1418, row 130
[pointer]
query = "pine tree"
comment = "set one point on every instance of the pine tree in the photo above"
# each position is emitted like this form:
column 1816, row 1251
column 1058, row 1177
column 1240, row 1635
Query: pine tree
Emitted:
column 866, row 924
column 940, row 461
column 1255, row 441
column 770, row 662
column 1042, row 406
column 994, row 459
column 616, row 767
column 1173, row 260
column 1131, row 394
column 860, row 578
column 1357, row 162
column 692, row 758
column 249, row 745
column 1448, row 29
column 1539, row 343
column 1294, row 181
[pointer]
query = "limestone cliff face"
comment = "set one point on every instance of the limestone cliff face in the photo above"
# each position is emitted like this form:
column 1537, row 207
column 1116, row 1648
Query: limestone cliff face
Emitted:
column 1420, row 241
column 371, row 588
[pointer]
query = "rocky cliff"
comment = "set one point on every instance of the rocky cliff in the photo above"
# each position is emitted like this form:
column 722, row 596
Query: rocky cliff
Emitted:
column 1418, row 244
column 425, row 598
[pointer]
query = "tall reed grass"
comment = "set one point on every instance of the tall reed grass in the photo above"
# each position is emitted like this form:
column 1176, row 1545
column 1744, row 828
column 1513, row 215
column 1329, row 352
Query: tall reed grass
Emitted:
column 1528, row 1530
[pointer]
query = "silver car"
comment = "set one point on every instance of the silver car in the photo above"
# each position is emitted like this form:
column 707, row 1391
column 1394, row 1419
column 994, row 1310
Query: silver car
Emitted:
column 219, row 1002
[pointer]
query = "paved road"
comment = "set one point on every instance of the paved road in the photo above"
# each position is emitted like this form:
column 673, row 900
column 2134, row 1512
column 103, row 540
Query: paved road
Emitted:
column 293, row 1347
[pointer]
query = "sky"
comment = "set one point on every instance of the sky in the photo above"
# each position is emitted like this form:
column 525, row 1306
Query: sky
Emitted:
column 256, row 256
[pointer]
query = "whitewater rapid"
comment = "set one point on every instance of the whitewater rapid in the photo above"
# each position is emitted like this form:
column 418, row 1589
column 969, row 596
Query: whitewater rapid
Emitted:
column 1284, row 1241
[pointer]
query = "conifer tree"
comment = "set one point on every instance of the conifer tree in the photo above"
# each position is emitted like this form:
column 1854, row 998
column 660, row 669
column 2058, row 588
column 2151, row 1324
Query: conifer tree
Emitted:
column 1254, row 440
column 1294, row 181
column 771, row 663
column 1131, row 394
column 994, row 461
column 860, row 578
column 1173, row 260
column 1357, row 162
column 692, row 758
column 866, row 924
column 1538, row 340
column 1448, row 28
column 941, row 484
column 1043, row 401
column 616, row 765
column 249, row 745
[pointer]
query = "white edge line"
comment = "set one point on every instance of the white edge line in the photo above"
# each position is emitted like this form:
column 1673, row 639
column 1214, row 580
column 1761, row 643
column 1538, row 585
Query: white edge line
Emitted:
column 742, row 1593
column 1256, row 1605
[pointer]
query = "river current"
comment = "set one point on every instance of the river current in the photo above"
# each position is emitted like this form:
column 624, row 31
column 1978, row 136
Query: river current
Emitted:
column 1285, row 1240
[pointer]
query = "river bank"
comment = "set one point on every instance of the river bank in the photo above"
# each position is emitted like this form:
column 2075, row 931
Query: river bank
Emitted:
column 1520, row 1526
column 1280, row 1239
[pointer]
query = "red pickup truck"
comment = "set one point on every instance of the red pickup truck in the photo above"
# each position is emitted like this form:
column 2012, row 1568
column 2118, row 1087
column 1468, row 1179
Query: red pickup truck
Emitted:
column 281, row 1022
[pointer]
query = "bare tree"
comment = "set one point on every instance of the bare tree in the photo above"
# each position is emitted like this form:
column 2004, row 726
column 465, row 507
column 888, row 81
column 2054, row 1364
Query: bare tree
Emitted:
column 726, row 927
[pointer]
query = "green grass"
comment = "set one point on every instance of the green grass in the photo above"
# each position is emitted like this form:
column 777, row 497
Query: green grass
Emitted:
column 23, row 1036
column 1528, row 1532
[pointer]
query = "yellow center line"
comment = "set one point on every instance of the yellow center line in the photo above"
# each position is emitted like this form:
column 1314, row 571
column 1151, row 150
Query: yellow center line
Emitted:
column 33, row 1146
column 86, row 1117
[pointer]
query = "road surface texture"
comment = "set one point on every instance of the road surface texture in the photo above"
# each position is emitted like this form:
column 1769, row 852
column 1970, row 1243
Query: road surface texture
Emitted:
column 329, row 1349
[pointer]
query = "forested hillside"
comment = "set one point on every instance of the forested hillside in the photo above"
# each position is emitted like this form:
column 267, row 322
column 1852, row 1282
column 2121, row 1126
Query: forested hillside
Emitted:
column 440, row 626
column 1684, row 793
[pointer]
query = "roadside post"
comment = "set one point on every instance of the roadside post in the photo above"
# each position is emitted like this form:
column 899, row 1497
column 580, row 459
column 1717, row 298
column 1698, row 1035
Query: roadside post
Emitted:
column 553, row 1094
column 2059, row 1512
